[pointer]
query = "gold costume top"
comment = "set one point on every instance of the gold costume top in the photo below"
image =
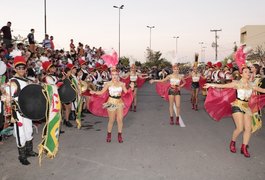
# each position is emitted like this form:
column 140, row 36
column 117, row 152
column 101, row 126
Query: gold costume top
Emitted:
column 114, row 101
column 243, row 94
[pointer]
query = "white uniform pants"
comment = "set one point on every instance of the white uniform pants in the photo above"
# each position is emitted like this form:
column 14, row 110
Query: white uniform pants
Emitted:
column 23, row 133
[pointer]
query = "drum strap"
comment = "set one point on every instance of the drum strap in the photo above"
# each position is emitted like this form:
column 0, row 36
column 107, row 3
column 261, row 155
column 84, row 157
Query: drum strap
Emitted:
column 15, row 80
column 18, row 87
column 16, row 108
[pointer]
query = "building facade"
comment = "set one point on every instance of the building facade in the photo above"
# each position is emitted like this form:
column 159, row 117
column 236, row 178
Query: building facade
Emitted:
column 253, row 35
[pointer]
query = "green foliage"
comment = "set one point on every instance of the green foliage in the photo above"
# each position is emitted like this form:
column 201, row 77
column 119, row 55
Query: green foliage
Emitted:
column 153, row 58
column 138, row 63
column 124, row 61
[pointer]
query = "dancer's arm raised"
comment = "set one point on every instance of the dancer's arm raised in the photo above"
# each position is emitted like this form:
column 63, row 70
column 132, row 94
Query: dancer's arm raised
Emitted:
column 105, row 88
column 229, row 85
column 159, row 80
column 259, row 89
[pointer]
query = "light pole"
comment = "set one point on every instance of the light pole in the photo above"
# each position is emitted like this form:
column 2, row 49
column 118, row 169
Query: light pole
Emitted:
column 121, row 7
column 150, row 27
column 176, row 37
column 215, row 44
column 203, row 53
column 45, row 23
column 201, row 43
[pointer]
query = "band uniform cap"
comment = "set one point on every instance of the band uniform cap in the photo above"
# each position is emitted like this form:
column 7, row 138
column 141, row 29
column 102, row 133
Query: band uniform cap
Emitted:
column 46, row 65
column 19, row 60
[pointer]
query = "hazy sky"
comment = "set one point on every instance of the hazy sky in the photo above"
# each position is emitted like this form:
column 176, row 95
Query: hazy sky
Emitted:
column 96, row 23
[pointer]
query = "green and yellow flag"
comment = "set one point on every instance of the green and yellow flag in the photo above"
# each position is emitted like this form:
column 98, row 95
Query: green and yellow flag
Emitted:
column 50, row 135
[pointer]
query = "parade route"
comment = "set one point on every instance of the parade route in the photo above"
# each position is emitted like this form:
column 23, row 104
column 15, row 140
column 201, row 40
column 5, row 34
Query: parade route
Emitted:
column 152, row 149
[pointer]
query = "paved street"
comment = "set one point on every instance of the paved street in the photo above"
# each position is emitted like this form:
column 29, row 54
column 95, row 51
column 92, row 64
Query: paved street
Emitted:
column 152, row 149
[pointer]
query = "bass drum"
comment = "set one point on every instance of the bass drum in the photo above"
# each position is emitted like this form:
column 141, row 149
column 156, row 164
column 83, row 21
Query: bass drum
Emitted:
column 66, row 92
column 32, row 102
column 2, row 68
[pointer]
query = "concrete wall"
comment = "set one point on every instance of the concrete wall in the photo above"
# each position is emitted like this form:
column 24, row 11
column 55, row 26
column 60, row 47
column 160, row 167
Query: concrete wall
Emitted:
column 253, row 35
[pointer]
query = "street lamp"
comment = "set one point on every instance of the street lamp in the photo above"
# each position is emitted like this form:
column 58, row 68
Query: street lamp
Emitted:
column 45, row 23
column 201, row 43
column 203, row 53
column 176, row 37
column 121, row 7
column 150, row 27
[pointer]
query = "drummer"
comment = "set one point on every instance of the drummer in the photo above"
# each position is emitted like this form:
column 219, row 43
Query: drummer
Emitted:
column 49, row 69
column 51, row 79
column 76, row 105
column 83, row 66
column 22, row 126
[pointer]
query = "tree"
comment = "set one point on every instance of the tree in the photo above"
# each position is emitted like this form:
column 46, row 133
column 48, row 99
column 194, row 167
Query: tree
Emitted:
column 138, row 63
column 258, row 55
column 124, row 61
column 153, row 58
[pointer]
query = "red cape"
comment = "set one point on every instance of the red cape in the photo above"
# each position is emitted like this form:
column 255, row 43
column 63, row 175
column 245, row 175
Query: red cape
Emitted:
column 140, row 81
column 187, row 86
column 96, row 103
column 218, row 102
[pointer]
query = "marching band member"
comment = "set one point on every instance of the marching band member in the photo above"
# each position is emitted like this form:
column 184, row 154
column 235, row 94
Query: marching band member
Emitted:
column 51, row 78
column 207, row 75
column 217, row 73
column 22, row 126
column 227, row 75
column 83, row 66
column 77, row 104
column 208, row 72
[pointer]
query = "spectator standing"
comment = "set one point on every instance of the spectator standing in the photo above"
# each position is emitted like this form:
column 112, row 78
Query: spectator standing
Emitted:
column 52, row 44
column 7, row 37
column 46, row 42
column 72, row 48
column 31, row 41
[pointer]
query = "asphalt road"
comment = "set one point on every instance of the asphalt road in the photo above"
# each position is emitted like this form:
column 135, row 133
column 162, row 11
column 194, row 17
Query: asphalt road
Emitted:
column 152, row 149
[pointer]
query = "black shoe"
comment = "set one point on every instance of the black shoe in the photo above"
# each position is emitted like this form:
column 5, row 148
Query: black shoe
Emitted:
column 82, row 115
column 22, row 156
column 72, row 115
column 29, row 149
column 61, row 131
column 86, row 111
column 68, row 124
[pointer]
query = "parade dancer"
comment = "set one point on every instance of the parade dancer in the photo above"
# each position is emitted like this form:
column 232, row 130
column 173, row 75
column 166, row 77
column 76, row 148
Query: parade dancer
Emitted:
column 22, row 126
column 137, row 79
column 241, row 105
column 196, row 81
column 176, row 82
column 115, row 104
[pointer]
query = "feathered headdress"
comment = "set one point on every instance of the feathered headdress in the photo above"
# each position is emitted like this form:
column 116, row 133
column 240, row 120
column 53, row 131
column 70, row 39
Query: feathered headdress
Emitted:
column 240, row 58
column 110, row 59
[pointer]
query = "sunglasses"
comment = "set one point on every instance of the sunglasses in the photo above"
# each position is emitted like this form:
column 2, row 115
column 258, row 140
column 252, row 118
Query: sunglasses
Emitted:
column 20, row 68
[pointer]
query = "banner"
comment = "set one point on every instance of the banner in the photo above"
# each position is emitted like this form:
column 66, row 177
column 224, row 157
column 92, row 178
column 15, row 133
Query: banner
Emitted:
column 50, row 135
